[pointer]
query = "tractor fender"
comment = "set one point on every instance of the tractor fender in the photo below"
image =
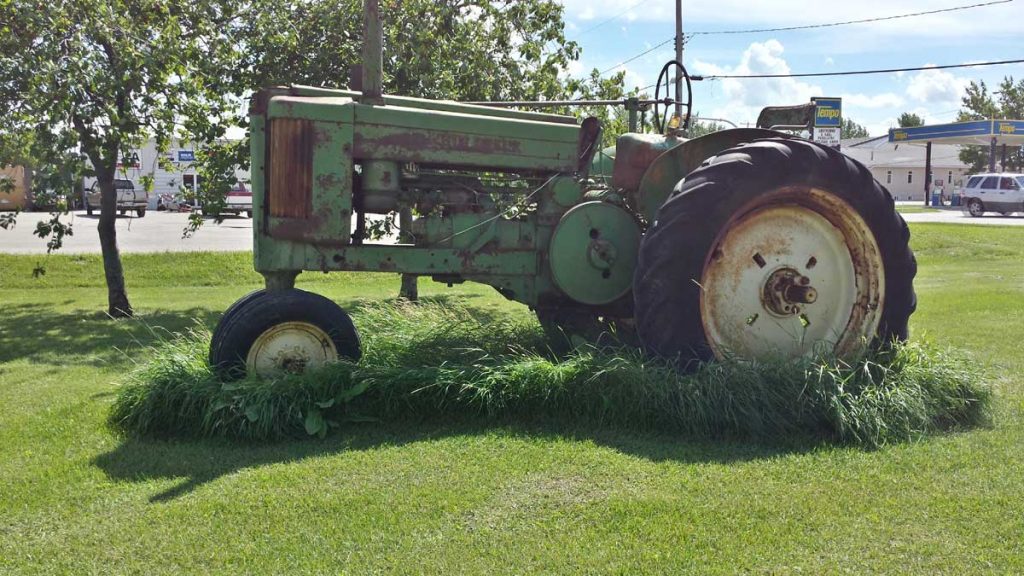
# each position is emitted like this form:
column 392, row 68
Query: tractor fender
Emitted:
column 675, row 163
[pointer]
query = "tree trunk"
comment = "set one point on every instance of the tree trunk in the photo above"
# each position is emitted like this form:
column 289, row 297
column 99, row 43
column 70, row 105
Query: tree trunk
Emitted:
column 409, row 290
column 117, row 296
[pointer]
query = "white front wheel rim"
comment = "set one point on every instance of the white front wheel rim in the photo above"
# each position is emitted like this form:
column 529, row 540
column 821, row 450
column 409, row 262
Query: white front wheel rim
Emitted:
column 290, row 347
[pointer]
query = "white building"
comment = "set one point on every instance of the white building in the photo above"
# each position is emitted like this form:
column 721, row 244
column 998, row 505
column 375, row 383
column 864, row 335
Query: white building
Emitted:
column 900, row 167
column 178, row 175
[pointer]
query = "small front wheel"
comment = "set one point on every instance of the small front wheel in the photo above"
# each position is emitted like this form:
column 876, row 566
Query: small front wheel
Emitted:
column 282, row 332
column 974, row 207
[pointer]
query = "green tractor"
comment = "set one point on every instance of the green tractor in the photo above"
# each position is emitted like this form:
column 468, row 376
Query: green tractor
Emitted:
column 744, row 242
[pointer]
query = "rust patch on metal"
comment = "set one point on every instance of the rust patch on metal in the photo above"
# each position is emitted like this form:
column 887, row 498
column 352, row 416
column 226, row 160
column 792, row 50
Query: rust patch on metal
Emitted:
column 290, row 170
column 328, row 181
column 321, row 135
column 296, row 230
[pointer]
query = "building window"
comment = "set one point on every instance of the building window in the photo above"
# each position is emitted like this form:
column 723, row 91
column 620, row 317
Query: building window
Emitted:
column 949, row 177
column 910, row 176
column 888, row 176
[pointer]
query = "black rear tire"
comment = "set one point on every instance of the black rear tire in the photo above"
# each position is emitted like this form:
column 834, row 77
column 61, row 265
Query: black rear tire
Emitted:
column 676, row 248
column 259, row 312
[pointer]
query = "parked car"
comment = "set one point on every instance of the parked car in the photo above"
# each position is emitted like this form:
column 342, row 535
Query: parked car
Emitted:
column 128, row 198
column 238, row 200
column 1002, row 192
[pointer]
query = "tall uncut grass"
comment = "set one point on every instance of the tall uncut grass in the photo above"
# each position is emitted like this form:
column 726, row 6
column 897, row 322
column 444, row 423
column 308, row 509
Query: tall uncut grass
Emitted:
column 432, row 360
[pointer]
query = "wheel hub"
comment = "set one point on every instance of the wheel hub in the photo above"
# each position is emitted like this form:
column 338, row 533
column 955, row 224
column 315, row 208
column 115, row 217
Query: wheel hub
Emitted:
column 786, row 290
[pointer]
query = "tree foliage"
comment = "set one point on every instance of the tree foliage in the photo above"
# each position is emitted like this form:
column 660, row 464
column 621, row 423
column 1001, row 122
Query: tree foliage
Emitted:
column 909, row 120
column 978, row 103
column 96, row 78
column 110, row 73
column 851, row 129
column 466, row 50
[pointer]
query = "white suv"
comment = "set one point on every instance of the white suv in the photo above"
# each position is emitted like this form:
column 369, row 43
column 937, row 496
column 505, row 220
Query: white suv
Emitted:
column 1002, row 193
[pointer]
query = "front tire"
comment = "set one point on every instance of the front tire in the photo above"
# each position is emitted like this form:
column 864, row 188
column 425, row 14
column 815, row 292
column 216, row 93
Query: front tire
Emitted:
column 141, row 212
column 975, row 208
column 291, row 331
column 774, row 248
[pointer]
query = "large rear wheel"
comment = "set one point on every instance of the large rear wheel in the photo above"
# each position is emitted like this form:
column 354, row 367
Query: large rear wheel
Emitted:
column 290, row 331
column 774, row 248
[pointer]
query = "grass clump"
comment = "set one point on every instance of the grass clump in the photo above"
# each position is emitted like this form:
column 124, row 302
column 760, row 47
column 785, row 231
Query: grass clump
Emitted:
column 434, row 360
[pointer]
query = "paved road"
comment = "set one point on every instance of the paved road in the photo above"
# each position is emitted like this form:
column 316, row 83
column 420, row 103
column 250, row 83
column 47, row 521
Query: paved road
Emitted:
column 161, row 232
column 156, row 232
column 955, row 216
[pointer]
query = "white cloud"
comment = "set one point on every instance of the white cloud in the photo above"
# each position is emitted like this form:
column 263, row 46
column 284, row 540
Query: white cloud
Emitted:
column 744, row 99
column 936, row 88
column 884, row 100
column 984, row 21
column 829, row 61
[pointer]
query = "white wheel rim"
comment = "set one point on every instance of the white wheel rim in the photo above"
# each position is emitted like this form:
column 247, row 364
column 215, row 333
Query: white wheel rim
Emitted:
column 796, row 235
column 291, row 347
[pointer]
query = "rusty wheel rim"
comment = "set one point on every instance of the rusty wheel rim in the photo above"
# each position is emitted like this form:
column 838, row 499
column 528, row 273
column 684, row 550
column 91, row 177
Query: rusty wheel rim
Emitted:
column 290, row 347
column 797, row 271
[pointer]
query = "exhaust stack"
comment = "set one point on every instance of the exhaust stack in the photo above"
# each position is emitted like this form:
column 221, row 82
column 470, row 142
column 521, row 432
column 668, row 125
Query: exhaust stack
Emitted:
column 373, row 54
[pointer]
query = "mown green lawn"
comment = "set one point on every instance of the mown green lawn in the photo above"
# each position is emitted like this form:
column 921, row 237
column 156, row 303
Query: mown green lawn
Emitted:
column 459, row 498
column 905, row 209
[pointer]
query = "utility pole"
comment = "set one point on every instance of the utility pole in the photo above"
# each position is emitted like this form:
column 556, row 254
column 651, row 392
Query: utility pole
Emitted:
column 679, row 58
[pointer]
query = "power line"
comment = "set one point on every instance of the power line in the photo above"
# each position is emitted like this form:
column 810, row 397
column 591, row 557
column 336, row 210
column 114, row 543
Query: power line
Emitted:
column 856, row 72
column 697, row 78
column 807, row 26
column 848, row 22
column 644, row 53
column 615, row 17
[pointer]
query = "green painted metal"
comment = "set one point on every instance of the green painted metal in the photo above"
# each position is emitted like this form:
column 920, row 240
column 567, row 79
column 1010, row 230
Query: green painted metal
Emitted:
column 593, row 252
column 672, row 165
column 440, row 105
column 500, row 196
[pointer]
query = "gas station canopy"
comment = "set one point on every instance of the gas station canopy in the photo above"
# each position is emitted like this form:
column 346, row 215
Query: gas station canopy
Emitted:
column 977, row 132
column 991, row 133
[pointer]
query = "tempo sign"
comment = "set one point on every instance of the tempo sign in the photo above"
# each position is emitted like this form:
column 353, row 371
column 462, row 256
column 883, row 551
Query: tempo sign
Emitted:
column 828, row 121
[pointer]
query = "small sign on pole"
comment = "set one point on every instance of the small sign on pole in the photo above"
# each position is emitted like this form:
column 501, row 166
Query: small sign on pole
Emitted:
column 828, row 121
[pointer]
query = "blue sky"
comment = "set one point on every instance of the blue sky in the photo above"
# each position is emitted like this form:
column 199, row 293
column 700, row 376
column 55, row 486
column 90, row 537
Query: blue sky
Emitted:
column 974, row 35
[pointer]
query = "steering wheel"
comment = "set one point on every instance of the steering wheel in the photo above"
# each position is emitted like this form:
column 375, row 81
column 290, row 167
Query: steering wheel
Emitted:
column 660, row 118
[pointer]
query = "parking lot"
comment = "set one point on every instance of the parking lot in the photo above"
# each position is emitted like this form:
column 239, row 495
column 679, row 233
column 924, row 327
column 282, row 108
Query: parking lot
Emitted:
column 156, row 232
column 162, row 231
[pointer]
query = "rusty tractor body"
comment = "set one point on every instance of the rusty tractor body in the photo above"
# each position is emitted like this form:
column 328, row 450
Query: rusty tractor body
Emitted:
column 744, row 241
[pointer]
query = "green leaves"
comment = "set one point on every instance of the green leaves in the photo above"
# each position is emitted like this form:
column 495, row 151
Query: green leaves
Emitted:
column 315, row 423
column 980, row 104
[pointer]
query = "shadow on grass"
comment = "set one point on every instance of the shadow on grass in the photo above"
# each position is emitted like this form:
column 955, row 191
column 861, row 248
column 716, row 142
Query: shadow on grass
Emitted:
column 37, row 333
column 201, row 461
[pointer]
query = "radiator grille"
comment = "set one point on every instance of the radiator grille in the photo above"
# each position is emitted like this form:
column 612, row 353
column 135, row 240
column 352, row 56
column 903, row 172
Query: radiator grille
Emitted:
column 290, row 168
